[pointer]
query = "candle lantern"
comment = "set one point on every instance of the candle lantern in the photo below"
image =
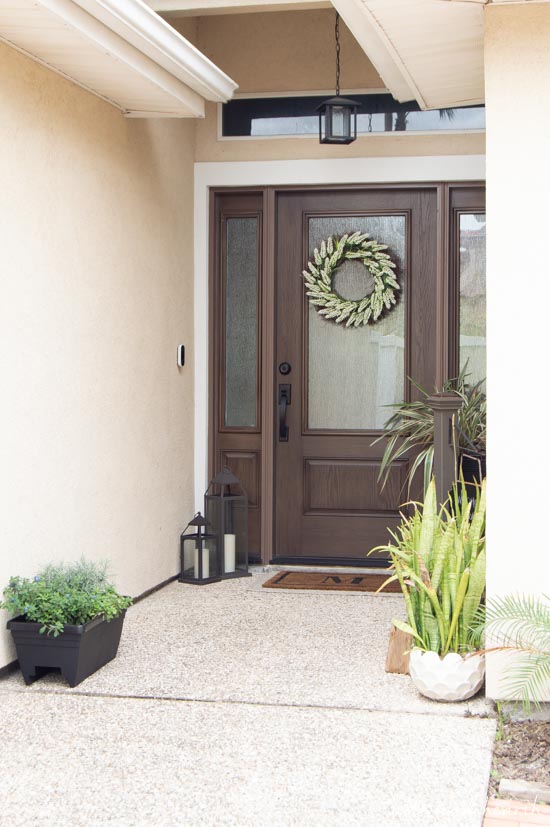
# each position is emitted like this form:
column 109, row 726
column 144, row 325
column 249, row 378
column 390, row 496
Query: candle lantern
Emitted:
column 199, row 552
column 226, row 509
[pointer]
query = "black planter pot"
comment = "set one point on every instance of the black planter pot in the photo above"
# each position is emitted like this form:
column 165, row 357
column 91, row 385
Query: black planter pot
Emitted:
column 474, row 466
column 78, row 651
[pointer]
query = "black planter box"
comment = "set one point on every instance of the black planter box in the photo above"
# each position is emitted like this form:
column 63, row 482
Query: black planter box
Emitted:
column 78, row 651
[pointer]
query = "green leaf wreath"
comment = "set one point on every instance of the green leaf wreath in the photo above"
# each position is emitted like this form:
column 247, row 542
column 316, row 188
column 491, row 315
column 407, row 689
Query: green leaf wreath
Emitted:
column 321, row 271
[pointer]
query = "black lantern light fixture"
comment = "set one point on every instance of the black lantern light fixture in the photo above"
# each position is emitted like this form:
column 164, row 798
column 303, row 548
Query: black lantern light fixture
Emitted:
column 226, row 510
column 199, row 553
column 338, row 116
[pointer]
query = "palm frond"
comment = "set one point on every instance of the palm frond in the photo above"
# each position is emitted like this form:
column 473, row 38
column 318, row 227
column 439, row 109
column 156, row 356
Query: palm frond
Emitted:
column 522, row 621
column 520, row 624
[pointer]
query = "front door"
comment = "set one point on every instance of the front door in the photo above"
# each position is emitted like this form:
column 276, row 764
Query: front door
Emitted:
column 333, row 383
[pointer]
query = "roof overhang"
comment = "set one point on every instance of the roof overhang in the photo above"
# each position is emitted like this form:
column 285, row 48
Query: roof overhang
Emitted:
column 430, row 51
column 120, row 50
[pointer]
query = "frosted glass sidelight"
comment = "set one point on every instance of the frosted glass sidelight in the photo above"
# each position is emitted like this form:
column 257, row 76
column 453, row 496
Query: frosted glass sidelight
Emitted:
column 241, row 322
column 354, row 372
column 472, row 313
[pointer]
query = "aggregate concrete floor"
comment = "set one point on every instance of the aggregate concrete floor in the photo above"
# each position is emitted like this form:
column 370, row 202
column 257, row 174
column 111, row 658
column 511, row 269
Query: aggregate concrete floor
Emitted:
column 236, row 705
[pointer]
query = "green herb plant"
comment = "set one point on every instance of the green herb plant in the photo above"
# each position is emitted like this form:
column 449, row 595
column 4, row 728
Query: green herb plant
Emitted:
column 64, row 594
column 438, row 557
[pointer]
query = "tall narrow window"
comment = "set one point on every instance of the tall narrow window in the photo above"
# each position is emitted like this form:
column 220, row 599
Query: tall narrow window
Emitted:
column 241, row 322
column 472, row 295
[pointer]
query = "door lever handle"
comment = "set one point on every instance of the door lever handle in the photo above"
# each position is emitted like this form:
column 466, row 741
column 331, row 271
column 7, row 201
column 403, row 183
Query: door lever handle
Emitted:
column 284, row 401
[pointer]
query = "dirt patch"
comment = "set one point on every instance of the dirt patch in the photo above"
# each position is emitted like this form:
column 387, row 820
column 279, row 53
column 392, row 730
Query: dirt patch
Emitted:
column 522, row 751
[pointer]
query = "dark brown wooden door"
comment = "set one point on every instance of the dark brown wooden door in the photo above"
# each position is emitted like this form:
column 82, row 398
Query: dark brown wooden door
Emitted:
column 328, row 503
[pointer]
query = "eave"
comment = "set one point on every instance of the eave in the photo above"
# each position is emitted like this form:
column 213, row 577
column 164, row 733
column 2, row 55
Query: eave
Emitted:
column 120, row 50
column 430, row 51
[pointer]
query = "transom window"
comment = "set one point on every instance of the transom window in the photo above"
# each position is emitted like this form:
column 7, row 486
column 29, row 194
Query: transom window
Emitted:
column 377, row 113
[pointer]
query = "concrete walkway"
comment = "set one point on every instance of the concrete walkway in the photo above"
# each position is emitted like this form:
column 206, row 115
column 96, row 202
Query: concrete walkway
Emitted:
column 236, row 705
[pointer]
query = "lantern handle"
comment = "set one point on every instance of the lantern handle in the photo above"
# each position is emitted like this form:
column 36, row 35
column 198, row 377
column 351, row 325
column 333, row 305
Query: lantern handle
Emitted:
column 198, row 521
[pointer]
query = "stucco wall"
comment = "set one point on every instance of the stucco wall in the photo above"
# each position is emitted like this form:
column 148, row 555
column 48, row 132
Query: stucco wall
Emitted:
column 96, row 422
column 517, row 67
column 294, row 52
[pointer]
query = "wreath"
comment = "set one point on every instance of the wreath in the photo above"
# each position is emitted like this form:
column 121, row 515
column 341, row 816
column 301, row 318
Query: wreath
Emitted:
column 326, row 261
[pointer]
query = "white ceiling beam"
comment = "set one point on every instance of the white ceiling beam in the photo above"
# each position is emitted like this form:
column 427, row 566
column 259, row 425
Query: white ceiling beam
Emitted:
column 201, row 8
column 379, row 49
column 139, row 25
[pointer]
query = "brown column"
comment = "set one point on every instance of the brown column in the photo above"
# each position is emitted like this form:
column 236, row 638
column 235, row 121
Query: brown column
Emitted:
column 445, row 407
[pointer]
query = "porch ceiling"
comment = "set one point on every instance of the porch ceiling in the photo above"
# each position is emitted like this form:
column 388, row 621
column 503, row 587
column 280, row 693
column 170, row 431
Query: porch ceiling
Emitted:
column 425, row 50
column 120, row 50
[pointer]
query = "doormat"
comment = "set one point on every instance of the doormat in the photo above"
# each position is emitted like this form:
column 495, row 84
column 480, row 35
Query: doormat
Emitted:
column 330, row 580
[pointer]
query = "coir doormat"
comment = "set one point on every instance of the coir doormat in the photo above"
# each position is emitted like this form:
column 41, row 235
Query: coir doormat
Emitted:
column 330, row 580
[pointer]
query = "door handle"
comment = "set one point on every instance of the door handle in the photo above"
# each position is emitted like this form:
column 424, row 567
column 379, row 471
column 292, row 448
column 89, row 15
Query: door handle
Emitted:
column 284, row 401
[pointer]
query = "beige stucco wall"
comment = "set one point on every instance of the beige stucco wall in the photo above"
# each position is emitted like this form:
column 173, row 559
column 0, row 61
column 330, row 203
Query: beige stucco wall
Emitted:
column 294, row 52
column 517, row 79
column 96, row 422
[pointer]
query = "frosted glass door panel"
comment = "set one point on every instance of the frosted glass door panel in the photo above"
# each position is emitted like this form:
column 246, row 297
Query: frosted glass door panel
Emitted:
column 472, row 322
column 241, row 322
column 354, row 372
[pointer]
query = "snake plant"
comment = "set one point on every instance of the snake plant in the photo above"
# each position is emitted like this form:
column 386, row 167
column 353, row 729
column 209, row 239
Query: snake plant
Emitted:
column 438, row 557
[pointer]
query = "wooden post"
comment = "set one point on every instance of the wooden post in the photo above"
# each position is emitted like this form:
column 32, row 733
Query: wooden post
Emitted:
column 445, row 407
column 399, row 646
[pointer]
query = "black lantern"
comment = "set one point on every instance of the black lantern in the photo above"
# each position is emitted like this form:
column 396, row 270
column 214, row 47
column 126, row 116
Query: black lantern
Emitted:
column 200, row 563
column 338, row 115
column 226, row 509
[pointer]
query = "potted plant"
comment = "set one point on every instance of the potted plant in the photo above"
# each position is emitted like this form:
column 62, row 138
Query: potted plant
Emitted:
column 68, row 617
column 411, row 426
column 438, row 557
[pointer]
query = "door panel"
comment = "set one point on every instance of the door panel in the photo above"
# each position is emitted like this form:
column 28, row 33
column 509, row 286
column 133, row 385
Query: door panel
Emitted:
column 235, row 292
column 327, row 499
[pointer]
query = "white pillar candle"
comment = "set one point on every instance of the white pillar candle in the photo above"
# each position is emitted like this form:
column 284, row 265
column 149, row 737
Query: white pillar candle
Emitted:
column 229, row 552
column 205, row 564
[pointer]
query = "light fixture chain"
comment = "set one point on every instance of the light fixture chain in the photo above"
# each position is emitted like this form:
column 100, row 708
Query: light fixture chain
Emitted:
column 337, row 36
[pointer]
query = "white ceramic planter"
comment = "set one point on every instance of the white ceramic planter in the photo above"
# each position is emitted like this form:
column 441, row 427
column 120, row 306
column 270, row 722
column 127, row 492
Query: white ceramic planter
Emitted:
column 452, row 678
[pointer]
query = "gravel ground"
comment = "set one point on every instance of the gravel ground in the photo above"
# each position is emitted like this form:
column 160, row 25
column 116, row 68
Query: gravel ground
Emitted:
column 521, row 752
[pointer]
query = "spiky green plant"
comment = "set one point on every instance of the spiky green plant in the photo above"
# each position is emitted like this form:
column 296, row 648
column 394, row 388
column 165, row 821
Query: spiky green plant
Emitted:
column 519, row 624
column 411, row 427
column 438, row 557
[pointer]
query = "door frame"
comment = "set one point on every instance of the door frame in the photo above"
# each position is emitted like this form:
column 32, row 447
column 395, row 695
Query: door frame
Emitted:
column 439, row 172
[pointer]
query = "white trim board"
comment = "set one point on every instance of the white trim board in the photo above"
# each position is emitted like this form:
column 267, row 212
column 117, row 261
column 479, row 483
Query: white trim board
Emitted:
column 296, row 173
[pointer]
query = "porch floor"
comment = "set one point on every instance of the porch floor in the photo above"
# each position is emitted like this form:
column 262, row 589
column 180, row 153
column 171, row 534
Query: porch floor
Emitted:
column 236, row 705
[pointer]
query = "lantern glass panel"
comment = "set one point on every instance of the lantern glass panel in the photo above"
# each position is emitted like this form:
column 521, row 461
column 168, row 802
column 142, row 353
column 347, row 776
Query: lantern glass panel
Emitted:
column 228, row 519
column 339, row 121
column 192, row 550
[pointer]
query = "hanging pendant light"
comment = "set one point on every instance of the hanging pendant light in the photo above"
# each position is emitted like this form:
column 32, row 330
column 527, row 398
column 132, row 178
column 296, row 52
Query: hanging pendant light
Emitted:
column 338, row 116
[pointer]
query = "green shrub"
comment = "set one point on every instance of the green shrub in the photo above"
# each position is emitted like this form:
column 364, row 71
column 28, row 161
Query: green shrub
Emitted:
column 64, row 594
